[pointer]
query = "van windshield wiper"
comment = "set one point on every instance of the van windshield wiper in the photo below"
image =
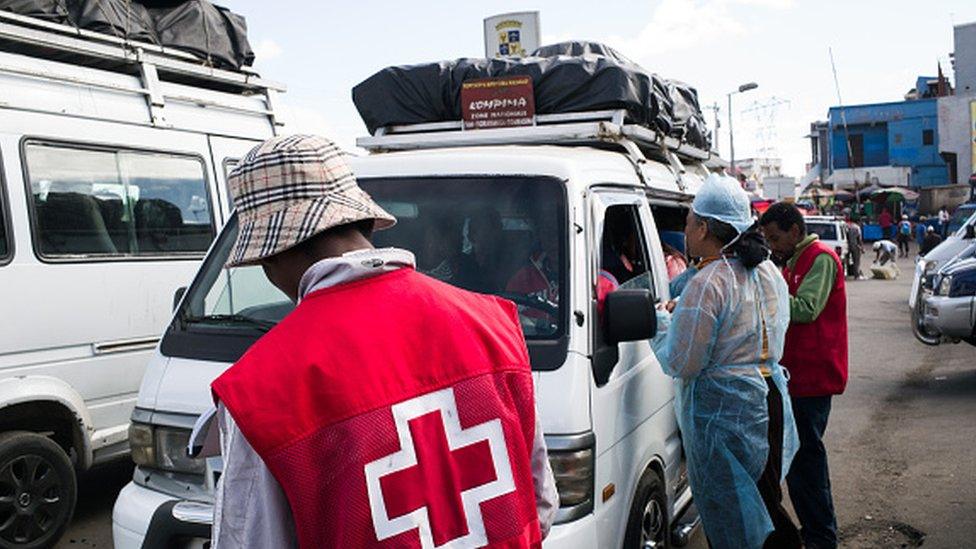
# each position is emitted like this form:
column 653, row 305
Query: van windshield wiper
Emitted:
column 261, row 325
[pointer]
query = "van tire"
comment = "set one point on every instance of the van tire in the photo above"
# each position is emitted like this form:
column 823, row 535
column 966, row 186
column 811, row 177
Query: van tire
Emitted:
column 649, row 519
column 38, row 491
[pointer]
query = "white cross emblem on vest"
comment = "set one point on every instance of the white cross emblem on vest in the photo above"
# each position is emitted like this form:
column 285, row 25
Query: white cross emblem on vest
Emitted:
column 440, row 476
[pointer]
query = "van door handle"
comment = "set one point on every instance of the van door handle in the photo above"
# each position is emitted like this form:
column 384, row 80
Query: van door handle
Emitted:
column 125, row 345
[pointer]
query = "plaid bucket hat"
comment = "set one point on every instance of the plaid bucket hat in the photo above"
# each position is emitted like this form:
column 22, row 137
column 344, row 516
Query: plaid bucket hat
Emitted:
column 289, row 189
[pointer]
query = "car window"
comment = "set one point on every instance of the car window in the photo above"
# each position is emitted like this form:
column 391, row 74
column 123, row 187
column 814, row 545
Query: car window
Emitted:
column 959, row 218
column 826, row 231
column 102, row 203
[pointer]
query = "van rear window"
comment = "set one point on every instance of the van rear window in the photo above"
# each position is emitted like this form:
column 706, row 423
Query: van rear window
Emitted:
column 103, row 204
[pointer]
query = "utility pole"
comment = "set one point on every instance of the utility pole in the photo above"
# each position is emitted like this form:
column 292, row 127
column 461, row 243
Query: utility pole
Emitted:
column 742, row 88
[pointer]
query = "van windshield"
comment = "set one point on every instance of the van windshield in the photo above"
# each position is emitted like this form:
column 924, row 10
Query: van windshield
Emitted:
column 499, row 235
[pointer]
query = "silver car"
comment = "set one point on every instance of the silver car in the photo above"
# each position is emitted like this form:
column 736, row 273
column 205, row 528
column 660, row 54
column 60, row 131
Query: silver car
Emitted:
column 949, row 309
column 961, row 244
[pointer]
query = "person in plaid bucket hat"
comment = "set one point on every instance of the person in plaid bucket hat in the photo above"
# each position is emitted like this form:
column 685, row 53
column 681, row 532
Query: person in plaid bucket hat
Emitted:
column 333, row 424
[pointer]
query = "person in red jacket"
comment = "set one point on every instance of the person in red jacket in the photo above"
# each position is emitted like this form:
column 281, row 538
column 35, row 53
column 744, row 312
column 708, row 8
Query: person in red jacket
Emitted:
column 389, row 409
column 816, row 357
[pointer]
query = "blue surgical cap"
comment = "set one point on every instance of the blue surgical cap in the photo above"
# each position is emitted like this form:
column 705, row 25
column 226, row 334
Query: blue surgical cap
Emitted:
column 722, row 198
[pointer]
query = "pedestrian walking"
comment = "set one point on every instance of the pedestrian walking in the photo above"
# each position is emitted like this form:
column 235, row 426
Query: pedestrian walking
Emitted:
column 920, row 229
column 885, row 221
column 944, row 221
column 816, row 357
column 723, row 343
column 932, row 239
column 340, row 427
column 904, row 236
column 855, row 245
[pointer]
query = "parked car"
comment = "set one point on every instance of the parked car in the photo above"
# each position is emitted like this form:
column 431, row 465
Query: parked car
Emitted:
column 832, row 232
column 605, row 408
column 950, row 308
column 112, row 190
column 959, row 243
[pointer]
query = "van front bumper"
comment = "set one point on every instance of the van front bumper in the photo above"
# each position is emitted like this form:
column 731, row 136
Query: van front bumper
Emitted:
column 572, row 535
column 949, row 316
column 147, row 519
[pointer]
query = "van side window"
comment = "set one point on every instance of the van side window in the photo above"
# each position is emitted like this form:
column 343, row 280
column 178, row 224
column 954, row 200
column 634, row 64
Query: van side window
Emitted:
column 623, row 249
column 4, row 246
column 98, row 203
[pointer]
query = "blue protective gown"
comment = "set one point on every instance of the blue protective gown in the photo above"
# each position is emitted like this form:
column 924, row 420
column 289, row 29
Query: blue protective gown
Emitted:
column 712, row 346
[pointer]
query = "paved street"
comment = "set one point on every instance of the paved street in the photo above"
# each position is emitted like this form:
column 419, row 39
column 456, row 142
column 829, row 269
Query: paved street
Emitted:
column 900, row 440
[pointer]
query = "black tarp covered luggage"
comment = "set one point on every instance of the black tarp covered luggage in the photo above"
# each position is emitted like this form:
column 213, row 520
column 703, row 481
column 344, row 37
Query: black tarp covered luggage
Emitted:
column 212, row 33
column 55, row 11
column 121, row 18
column 689, row 124
column 580, row 48
column 431, row 92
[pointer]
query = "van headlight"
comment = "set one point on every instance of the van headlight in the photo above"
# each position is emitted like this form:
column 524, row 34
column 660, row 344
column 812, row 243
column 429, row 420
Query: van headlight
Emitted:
column 163, row 448
column 574, row 476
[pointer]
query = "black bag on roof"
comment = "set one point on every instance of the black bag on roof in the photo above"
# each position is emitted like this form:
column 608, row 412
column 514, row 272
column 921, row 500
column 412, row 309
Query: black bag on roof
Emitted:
column 55, row 11
column 431, row 92
column 689, row 124
column 121, row 18
column 579, row 48
column 212, row 33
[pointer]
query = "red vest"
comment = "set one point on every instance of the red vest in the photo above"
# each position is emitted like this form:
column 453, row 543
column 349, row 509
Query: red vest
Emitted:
column 395, row 411
column 816, row 353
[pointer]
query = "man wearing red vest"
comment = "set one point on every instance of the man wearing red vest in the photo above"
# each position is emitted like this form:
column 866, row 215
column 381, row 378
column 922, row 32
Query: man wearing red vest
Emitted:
column 816, row 357
column 388, row 409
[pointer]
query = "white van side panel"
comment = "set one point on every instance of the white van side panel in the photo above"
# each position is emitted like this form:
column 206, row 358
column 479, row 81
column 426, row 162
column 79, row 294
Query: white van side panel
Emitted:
column 89, row 324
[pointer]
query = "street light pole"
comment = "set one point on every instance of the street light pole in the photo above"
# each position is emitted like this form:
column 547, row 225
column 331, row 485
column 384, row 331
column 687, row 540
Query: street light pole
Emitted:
column 742, row 88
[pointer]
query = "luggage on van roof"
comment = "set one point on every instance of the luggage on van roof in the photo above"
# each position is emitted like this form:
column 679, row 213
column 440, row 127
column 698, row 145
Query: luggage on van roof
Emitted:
column 213, row 34
column 567, row 78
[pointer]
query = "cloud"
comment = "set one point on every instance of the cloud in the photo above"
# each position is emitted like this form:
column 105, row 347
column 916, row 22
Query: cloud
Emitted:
column 266, row 49
column 682, row 24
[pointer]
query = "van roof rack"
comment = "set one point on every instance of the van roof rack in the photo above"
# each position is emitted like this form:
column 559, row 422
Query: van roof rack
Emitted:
column 608, row 126
column 59, row 42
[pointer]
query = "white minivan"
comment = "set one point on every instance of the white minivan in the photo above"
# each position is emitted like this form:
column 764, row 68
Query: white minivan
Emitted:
column 112, row 190
column 579, row 190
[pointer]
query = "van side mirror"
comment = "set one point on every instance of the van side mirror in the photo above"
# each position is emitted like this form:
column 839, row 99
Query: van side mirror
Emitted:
column 178, row 296
column 630, row 316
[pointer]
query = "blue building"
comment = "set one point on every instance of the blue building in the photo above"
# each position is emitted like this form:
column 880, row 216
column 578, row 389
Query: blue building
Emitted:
column 886, row 143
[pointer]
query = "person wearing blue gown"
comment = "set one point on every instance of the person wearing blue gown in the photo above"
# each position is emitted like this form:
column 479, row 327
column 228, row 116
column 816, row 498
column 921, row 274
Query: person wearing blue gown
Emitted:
column 722, row 342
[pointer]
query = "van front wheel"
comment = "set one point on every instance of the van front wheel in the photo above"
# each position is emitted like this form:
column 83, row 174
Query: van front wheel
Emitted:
column 649, row 524
column 37, row 491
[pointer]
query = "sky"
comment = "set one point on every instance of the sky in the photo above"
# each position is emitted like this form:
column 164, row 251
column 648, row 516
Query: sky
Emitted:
column 321, row 49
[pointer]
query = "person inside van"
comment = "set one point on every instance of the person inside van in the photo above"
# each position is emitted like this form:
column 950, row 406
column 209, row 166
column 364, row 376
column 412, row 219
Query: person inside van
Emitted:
column 441, row 255
column 318, row 409
column 723, row 343
column 480, row 268
column 538, row 277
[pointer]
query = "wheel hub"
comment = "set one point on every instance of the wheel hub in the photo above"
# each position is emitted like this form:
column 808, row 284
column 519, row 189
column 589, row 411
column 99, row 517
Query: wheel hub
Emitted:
column 24, row 499
column 652, row 525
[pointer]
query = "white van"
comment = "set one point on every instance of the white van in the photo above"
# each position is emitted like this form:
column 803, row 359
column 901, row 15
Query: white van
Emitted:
column 112, row 190
column 576, row 187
